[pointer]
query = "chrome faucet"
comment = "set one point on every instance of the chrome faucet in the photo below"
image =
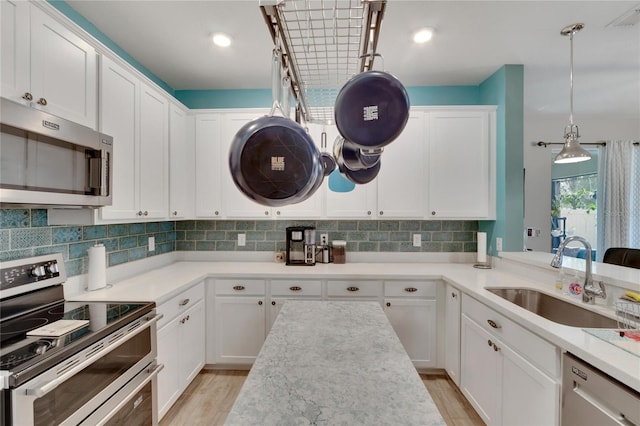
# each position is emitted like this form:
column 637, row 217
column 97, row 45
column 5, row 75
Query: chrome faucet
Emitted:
column 589, row 292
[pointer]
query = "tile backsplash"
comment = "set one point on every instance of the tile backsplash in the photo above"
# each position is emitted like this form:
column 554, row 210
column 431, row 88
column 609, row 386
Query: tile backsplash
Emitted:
column 25, row 232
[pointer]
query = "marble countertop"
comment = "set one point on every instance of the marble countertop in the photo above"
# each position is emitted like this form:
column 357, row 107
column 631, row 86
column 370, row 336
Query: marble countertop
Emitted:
column 333, row 363
column 163, row 283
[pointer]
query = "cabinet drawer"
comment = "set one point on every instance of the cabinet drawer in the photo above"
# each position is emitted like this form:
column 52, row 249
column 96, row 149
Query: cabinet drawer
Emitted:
column 410, row 288
column 240, row 287
column 291, row 288
column 537, row 350
column 354, row 288
column 180, row 303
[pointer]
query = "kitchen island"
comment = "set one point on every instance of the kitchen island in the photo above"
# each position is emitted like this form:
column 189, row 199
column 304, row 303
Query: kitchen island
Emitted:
column 333, row 363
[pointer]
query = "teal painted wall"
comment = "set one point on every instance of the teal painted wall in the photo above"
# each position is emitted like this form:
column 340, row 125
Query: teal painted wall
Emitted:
column 505, row 88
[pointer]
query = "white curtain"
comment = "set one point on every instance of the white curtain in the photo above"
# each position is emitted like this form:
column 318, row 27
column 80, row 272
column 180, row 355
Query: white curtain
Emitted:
column 618, row 196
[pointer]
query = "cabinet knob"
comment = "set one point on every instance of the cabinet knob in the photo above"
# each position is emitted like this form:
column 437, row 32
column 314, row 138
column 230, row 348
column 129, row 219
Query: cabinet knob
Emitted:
column 184, row 302
column 266, row 212
column 381, row 213
column 369, row 213
column 27, row 96
column 495, row 347
column 182, row 320
column 493, row 324
column 259, row 302
column 433, row 213
column 216, row 213
column 454, row 295
column 175, row 213
column 490, row 343
column 139, row 213
column 146, row 213
column 278, row 212
column 188, row 316
column 238, row 287
column 42, row 101
column 353, row 289
column 388, row 304
column 273, row 303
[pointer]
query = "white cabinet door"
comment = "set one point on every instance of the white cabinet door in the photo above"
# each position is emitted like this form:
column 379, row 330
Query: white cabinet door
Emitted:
column 15, row 47
column 154, row 165
column 169, row 388
column 192, row 339
column 209, row 165
column 119, row 102
column 529, row 397
column 63, row 71
column 480, row 371
column 401, row 181
column 460, row 165
column 452, row 334
column 240, row 329
column 181, row 163
column 414, row 321
column 237, row 205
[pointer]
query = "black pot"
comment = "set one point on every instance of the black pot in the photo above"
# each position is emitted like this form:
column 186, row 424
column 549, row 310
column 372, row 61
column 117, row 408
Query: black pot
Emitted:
column 372, row 109
column 274, row 161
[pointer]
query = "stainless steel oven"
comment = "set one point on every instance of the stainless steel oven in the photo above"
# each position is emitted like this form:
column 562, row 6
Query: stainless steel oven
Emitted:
column 103, row 372
column 49, row 161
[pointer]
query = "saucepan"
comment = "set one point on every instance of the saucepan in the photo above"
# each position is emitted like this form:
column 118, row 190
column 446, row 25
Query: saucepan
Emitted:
column 273, row 160
column 353, row 164
column 372, row 109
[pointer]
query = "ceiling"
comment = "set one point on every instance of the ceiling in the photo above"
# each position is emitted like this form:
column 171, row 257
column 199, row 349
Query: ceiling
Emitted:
column 473, row 39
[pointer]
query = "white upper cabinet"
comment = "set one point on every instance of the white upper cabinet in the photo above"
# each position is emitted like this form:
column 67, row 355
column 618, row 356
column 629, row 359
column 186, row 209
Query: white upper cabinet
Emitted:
column 209, row 165
column 47, row 66
column 154, row 150
column 119, row 102
column 402, row 177
column 181, row 158
column 461, row 164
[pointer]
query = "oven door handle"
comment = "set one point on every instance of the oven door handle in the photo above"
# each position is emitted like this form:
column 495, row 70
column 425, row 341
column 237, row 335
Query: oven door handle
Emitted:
column 152, row 372
column 49, row 386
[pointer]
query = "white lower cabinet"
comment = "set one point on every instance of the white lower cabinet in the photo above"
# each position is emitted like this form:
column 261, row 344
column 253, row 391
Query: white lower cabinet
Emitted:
column 452, row 333
column 181, row 344
column 411, row 309
column 240, row 321
column 498, row 376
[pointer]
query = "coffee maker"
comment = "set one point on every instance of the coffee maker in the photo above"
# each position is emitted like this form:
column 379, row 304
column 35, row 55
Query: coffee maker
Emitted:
column 301, row 245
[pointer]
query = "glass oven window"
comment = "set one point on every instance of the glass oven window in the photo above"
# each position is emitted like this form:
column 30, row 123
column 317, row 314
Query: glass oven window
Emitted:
column 68, row 397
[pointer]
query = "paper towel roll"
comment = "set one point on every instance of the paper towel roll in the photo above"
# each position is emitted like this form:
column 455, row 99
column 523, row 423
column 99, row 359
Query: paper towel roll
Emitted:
column 482, row 247
column 97, row 267
column 97, row 316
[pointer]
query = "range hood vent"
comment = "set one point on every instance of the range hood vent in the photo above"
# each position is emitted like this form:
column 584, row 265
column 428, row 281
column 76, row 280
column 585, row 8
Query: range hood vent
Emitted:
column 325, row 43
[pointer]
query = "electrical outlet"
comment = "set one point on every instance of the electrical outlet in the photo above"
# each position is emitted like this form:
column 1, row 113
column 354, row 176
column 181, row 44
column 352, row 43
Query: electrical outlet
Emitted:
column 152, row 244
column 242, row 240
column 498, row 244
column 417, row 240
column 324, row 239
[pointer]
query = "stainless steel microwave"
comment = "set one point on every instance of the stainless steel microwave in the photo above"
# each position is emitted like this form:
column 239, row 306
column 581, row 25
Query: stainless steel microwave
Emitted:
column 49, row 161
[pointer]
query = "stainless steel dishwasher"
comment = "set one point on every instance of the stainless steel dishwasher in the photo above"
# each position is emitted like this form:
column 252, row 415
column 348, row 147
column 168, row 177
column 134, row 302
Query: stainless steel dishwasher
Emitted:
column 590, row 397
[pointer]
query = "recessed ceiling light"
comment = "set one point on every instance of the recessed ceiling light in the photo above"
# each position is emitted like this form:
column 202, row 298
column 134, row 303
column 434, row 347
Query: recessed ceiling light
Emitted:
column 222, row 40
column 423, row 35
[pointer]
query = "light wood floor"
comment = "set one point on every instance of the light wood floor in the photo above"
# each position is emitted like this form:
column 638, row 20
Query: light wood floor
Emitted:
column 209, row 398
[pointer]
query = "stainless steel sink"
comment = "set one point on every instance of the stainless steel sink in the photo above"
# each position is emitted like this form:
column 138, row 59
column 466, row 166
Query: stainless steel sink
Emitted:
column 554, row 309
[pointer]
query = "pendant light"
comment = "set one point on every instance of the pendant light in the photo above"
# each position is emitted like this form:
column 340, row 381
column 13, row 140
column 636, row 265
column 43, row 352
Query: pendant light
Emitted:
column 571, row 152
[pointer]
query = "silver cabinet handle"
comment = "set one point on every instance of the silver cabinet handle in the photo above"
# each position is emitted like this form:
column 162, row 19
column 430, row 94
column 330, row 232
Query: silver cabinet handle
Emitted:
column 238, row 287
column 295, row 288
column 27, row 96
column 410, row 289
column 184, row 302
column 494, row 324
column 353, row 289
column 42, row 101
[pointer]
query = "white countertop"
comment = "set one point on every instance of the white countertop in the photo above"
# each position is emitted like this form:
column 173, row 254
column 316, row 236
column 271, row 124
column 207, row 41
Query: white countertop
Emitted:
column 333, row 363
column 165, row 282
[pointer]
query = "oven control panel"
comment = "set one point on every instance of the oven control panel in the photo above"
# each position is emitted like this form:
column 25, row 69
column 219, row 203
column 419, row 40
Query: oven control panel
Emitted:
column 32, row 270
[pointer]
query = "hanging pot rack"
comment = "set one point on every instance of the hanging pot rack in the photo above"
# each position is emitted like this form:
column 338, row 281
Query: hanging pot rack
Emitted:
column 324, row 44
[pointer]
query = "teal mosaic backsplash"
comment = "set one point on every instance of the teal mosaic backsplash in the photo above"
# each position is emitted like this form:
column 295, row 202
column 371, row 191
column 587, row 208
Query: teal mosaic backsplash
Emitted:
column 25, row 233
